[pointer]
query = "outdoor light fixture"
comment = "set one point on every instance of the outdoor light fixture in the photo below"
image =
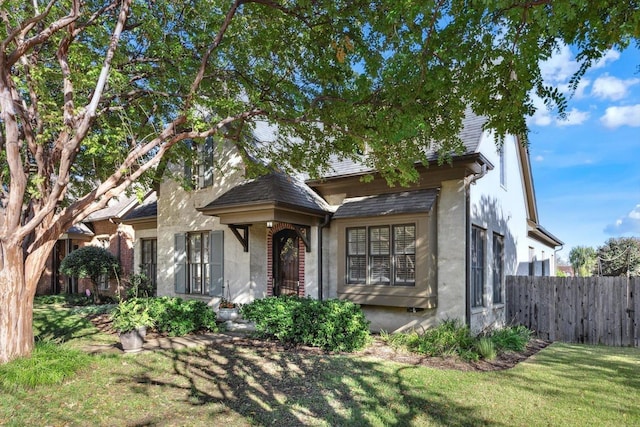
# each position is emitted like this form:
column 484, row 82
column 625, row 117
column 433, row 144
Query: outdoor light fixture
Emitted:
column 269, row 224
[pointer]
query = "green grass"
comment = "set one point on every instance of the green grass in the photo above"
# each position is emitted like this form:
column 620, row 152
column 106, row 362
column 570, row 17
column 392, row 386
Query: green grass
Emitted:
column 229, row 385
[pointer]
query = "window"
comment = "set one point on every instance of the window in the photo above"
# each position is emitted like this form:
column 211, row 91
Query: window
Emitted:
column 103, row 282
column 498, row 267
column 532, row 261
column 477, row 266
column 503, row 167
column 381, row 255
column 199, row 168
column 198, row 263
column 149, row 259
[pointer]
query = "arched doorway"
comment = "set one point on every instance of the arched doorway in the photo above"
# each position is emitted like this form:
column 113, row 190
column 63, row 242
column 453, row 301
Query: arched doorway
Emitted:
column 286, row 263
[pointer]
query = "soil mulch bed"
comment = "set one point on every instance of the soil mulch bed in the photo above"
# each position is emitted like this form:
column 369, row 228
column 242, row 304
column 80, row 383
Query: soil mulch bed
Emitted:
column 378, row 350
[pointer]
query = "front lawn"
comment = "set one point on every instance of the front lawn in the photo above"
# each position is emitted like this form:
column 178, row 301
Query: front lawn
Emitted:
column 235, row 385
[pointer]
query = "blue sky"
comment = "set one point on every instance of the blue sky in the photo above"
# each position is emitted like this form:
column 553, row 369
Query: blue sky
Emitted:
column 586, row 169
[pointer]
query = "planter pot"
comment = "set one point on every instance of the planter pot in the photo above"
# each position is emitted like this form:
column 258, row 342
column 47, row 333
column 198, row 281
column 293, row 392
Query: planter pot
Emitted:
column 225, row 314
column 132, row 341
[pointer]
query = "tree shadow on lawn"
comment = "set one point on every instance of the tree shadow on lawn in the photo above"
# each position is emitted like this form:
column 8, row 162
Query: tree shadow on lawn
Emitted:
column 609, row 373
column 265, row 386
column 60, row 324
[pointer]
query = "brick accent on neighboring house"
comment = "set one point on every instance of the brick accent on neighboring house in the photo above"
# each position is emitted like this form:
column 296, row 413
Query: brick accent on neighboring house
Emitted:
column 279, row 226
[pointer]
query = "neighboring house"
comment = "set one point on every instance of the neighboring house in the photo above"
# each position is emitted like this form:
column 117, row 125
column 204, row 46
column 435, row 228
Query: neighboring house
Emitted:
column 143, row 220
column 101, row 228
column 411, row 257
column 567, row 270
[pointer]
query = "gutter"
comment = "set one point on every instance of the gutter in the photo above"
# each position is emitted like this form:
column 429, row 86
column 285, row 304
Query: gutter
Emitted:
column 323, row 224
column 467, row 266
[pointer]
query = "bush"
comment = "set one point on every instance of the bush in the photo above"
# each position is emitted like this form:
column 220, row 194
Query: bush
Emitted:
column 139, row 286
column 486, row 348
column 130, row 315
column 452, row 337
column 513, row 338
column 91, row 262
column 331, row 325
column 177, row 317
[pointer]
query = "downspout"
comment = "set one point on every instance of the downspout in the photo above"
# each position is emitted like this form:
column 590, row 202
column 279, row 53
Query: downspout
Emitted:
column 323, row 224
column 467, row 292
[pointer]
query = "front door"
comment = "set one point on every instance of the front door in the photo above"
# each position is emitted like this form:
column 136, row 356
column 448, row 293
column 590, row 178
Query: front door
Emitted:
column 285, row 263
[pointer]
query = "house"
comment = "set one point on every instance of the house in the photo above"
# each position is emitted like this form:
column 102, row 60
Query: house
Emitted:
column 101, row 228
column 411, row 257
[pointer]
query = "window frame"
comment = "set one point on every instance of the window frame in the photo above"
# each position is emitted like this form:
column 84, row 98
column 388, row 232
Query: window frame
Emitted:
column 149, row 268
column 202, row 267
column 376, row 250
column 498, row 268
column 478, row 266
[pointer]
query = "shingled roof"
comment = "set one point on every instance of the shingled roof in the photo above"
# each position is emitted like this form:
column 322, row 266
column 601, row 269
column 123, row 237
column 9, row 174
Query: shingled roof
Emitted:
column 472, row 128
column 276, row 188
column 417, row 201
column 147, row 209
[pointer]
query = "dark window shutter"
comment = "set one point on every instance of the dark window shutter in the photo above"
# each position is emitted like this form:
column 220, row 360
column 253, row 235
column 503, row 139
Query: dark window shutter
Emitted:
column 180, row 263
column 216, row 262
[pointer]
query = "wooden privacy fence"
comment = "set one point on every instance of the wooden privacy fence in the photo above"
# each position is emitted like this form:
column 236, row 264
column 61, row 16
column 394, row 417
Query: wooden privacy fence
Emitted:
column 590, row 310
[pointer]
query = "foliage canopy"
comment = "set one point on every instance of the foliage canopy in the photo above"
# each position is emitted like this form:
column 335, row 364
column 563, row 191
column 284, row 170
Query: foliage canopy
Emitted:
column 583, row 259
column 98, row 94
column 619, row 256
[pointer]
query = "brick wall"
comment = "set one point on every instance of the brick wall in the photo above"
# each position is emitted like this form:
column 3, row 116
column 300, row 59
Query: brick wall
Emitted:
column 279, row 226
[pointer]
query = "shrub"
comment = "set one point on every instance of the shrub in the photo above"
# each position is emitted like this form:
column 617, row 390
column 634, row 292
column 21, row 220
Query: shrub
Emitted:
column 91, row 262
column 331, row 325
column 513, row 338
column 130, row 315
column 451, row 337
column 177, row 317
column 486, row 348
column 139, row 286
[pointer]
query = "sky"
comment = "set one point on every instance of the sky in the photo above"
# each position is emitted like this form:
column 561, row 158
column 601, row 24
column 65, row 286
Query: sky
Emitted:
column 586, row 169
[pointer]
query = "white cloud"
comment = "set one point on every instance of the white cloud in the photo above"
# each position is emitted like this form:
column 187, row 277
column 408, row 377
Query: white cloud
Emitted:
column 626, row 225
column 539, row 158
column 574, row 118
column 542, row 116
column 609, row 56
column 559, row 67
column 621, row 116
column 613, row 88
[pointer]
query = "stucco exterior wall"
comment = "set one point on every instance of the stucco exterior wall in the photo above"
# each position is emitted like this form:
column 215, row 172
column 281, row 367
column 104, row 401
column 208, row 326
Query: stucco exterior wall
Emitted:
column 177, row 213
column 501, row 208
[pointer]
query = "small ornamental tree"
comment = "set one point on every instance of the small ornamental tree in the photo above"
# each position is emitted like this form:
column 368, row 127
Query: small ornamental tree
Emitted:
column 90, row 262
column 619, row 256
column 583, row 260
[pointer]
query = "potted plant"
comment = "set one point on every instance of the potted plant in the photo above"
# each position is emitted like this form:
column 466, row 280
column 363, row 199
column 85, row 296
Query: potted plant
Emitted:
column 131, row 319
column 227, row 310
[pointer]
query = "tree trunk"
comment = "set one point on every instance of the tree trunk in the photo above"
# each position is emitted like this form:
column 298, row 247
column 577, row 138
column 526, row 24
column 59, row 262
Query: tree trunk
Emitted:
column 16, row 305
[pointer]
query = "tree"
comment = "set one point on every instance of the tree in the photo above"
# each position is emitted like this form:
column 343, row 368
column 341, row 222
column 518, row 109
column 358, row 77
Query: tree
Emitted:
column 583, row 260
column 619, row 256
column 96, row 95
column 91, row 262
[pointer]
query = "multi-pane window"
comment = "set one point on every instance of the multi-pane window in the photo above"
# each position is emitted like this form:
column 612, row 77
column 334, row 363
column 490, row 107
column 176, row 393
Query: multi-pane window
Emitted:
column 477, row 266
column 498, row 267
column 149, row 259
column 198, row 263
column 357, row 255
column 199, row 169
column 381, row 255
